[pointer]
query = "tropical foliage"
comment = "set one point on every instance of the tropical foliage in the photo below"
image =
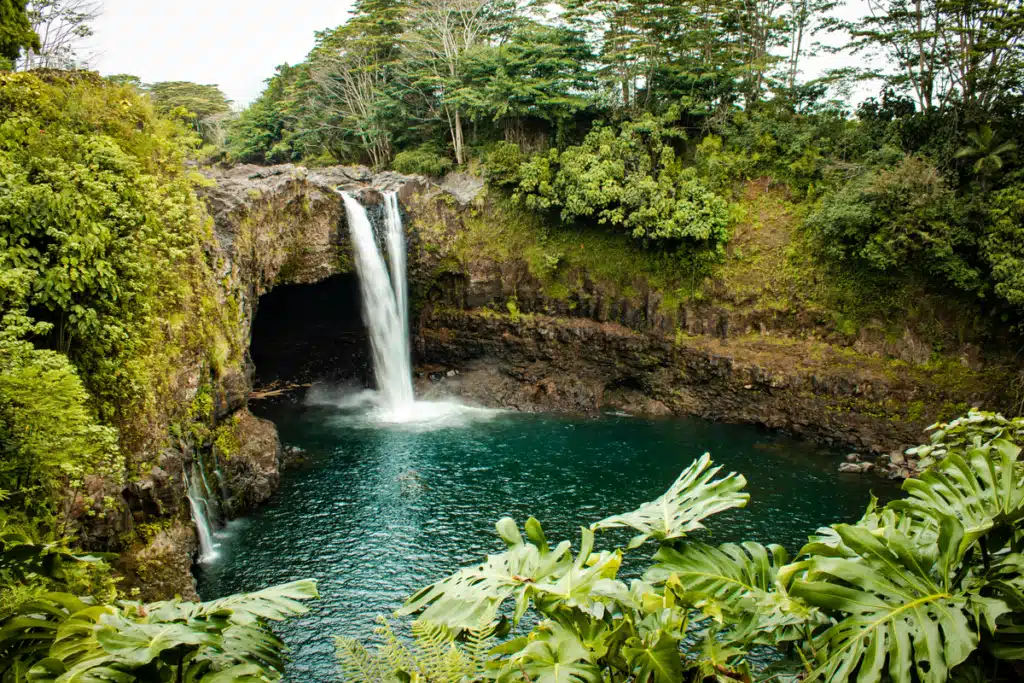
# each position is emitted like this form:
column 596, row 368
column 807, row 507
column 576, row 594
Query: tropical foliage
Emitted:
column 56, row 636
column 927, row 588
column 98, row 222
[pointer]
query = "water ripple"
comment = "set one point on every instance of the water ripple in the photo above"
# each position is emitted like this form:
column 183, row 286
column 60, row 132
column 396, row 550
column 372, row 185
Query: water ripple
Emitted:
column 381, row 510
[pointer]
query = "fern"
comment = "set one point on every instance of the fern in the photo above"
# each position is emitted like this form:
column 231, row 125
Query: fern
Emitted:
column 436, row 654
column 357, row 663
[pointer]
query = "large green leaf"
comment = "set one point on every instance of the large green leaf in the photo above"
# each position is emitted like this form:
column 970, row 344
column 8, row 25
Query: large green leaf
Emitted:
column 982, row 488
column 139, row 644
column 728, row 574
column 575, row 587
column 77, row 643
column 553, row 654
column 472, row 596
column 694, row 497
column 898, row 605
column 276, row 604
column 736, row 583
column 655, row 659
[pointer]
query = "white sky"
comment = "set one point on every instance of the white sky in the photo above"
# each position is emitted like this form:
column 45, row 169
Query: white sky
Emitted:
column 231, row 43
column 236, row 44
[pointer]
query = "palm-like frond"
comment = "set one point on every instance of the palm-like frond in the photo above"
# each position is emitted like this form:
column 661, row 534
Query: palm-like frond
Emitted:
column 73, row 641
column 471, row 597
column 695, row 496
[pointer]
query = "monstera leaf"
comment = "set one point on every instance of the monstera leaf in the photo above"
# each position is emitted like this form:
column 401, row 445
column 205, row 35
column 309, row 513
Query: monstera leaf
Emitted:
column 575, row 587
column 695, row 496
column 654, row 659
column 552, row 654
column 472, row 596
column 59, row 637
column 727, row 575
column 736, row 583
column 897, row 604
column 972, row 429
column 982, row 488
column 21, row 557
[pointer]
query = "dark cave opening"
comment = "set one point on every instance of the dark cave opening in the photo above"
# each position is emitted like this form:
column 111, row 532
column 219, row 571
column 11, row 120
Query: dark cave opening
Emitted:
column 311, row 333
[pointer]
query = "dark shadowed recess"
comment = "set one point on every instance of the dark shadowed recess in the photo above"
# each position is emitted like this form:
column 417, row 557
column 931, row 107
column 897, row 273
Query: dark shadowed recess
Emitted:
column 310, row 333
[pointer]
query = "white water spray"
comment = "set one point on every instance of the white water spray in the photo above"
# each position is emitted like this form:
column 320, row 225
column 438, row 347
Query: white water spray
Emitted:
column 385, row 315
column 196, row 501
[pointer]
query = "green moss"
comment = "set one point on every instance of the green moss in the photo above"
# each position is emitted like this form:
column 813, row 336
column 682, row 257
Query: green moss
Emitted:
column 226, row 439
column 513, row 310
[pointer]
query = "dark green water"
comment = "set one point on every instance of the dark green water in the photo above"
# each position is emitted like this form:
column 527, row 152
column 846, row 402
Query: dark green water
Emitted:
column 378, row 512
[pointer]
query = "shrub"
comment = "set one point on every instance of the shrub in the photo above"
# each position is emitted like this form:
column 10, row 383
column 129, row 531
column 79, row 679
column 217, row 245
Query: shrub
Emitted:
column 503, row 164
column 1002, row 246
column 421, row 161
column 896, row 219
column 629, row 178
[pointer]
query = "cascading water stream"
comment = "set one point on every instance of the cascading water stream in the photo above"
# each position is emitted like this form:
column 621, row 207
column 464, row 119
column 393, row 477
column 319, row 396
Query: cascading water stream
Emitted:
column 395, row 238
column 385, row 293
column 384, row 305
column 209, row 498
column 196, row 501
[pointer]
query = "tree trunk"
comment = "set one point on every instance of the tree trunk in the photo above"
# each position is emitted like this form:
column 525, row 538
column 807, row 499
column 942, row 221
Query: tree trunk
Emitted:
column 457, row 135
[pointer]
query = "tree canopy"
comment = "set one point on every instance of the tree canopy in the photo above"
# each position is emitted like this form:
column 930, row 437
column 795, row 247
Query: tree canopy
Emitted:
column 16, row 33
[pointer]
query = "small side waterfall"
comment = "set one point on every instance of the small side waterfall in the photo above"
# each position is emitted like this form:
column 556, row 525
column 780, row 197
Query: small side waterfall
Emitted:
column 197, row 503
column 385, row 303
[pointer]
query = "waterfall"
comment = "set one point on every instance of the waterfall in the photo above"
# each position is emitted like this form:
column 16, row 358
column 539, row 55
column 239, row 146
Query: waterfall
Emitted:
column 209, row 498
column 385, row 305
column 196, row 501
column 395, row 238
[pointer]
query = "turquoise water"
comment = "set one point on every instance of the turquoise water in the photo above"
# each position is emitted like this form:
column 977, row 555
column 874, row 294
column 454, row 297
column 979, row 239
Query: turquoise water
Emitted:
column 377, row 512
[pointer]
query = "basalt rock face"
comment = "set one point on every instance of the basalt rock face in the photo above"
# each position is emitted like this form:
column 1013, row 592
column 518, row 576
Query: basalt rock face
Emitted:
column 602, row 344
column 593, row 343
column 571, row 365
column 253, row 472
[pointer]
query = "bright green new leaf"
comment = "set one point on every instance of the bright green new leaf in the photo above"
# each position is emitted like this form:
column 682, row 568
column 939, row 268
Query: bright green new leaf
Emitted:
column 694, row 496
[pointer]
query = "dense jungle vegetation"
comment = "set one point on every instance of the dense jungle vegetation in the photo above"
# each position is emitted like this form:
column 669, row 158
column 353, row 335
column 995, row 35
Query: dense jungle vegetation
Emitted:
column 646, row 118
column 642, row 119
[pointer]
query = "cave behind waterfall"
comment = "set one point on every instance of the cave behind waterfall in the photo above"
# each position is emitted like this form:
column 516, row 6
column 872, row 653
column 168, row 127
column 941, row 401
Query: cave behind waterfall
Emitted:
column 311, row 333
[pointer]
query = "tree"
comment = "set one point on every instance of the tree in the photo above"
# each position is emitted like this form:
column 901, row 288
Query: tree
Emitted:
column 201, row 106
column 987, row 151
column 126, row 79
column 440, row 35
column 352, row 69
column 539, row 73
column 264, row 132
column 804, row 20
column 16, row 31
column 943, row 51
column 201, row 101
column 62, row 25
